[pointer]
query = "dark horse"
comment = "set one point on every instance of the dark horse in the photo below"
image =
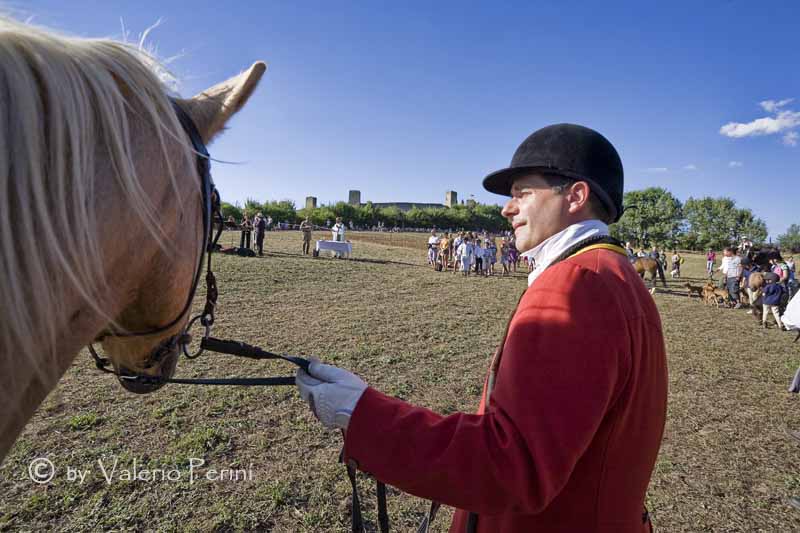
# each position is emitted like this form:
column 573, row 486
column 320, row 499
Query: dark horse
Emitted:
column 648, row 264
column 762, row 256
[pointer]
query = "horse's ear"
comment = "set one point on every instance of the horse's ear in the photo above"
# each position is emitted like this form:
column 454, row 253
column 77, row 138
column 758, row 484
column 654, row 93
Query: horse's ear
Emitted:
column 211, row 109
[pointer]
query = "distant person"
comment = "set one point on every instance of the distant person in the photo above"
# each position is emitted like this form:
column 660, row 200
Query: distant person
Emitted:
column 491, row 257
column 247, row 228
column 731, row 269
column 504, row 256
column 773, row 293
column 711, row 258
column 306, row 228
column 677, row 260
column 513, row 255
column 337, row 231
column 477, row 253
column 792, row 276
column 260, row 226
column 433, row 247
column 631, row 253
column 781, row 269
column 465, row 255
column 655, row 255
column 445, row 247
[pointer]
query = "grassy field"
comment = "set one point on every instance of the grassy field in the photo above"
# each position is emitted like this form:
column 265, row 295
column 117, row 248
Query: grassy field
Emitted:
column 725, row 463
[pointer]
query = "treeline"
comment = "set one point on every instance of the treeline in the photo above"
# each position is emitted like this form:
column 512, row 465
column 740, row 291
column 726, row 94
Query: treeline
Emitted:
column 471, row 217
column 652, row 216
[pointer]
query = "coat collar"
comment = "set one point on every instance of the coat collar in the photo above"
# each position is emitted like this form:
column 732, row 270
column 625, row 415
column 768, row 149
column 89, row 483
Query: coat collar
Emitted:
column 552, row 247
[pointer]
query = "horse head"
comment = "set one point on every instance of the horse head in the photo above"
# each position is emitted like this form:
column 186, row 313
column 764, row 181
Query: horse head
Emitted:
column 762, row 256
column 101, row 220
column 171, row 273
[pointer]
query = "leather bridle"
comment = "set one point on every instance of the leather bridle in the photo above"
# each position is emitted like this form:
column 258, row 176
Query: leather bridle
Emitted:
column 212, row 213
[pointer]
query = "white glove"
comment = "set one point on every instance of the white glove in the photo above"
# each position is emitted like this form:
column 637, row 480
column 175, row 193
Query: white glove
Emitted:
column 331, row 392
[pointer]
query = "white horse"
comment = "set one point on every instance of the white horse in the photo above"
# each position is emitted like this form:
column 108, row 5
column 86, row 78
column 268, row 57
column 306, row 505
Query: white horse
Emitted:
column 101, row 223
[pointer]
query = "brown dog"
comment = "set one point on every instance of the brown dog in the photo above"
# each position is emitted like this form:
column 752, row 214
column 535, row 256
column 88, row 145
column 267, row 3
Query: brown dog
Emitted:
column 694, row 289
column 712, row 294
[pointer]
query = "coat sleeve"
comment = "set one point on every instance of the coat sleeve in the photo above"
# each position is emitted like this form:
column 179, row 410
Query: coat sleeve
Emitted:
column 564, row 362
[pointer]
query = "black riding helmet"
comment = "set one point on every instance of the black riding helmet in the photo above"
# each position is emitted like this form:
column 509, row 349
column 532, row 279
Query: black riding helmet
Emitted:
column 568, row 150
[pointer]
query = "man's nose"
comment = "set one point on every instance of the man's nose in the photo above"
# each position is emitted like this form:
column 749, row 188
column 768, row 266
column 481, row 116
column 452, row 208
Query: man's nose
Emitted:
column 509, row 209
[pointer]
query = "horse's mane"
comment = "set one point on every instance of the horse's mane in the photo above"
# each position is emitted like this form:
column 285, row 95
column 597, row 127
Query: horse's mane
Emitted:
column 63, row 100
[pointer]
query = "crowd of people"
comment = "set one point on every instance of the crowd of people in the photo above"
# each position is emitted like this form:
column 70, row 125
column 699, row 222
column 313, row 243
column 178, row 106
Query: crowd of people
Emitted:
column 261, row 224
column 468, row 252
column 780, row 283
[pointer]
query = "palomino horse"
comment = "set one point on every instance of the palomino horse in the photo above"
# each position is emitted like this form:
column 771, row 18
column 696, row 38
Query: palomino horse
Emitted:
column 647, row 264
column 101, row 216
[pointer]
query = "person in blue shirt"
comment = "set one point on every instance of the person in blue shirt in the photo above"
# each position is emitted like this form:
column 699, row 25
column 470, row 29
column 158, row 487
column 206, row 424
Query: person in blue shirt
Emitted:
column 773, row 292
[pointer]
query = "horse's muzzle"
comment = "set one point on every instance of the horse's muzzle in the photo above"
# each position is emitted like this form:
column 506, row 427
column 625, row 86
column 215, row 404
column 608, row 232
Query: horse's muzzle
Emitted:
column 165, row 364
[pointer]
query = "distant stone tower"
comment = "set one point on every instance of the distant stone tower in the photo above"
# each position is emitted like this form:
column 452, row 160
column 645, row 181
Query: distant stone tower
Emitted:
column 311, row 202
column 450, row 198
column 354, row 198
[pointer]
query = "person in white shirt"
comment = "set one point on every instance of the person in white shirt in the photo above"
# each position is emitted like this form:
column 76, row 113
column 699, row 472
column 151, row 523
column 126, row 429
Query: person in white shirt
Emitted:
column 465, row 252
column 731, row 269
column 433, row 247
column 456, row 245
column 337, row 233
column 478, row 257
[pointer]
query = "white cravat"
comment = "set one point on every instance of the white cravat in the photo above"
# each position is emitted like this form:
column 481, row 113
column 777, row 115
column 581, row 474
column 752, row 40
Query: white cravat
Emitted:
column 549, row 249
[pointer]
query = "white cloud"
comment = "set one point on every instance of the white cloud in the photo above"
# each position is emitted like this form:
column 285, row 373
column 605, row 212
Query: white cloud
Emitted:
column 690, row 167
column 770, row 106
column 784, row 120
column 657, row 169
column 735, row 164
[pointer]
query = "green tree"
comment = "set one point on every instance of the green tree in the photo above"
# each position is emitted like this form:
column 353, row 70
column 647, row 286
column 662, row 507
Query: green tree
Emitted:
column 391, row 216
column 791, row 239
column 282, row 211
column 347, row 211
column 251, row 207
column 417, row 218
column 652, row 216
column 231, row 210
column 366, row 215
column 717, row 222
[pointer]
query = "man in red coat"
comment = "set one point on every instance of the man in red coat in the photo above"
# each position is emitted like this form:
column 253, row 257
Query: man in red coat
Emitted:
column 574, row 403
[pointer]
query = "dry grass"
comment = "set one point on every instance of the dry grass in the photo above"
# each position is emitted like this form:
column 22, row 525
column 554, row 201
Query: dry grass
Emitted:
column 725, row 464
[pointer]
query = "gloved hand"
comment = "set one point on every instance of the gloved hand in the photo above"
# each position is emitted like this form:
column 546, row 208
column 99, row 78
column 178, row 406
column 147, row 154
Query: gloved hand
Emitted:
column 331, row 392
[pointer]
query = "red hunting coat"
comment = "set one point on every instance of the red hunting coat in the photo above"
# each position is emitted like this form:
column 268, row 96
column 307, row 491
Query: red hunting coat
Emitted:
column 572, row 429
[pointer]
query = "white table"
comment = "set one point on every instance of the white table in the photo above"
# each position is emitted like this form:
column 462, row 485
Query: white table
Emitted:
column 343, row 248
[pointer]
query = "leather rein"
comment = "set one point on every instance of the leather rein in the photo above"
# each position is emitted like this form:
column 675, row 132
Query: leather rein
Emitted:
column 212, row 213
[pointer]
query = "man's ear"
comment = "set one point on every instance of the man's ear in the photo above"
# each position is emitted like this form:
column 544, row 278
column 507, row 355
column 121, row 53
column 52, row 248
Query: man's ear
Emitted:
column 578, row 196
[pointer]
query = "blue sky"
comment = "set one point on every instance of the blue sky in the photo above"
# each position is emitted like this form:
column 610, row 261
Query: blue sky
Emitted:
column 406, row 100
